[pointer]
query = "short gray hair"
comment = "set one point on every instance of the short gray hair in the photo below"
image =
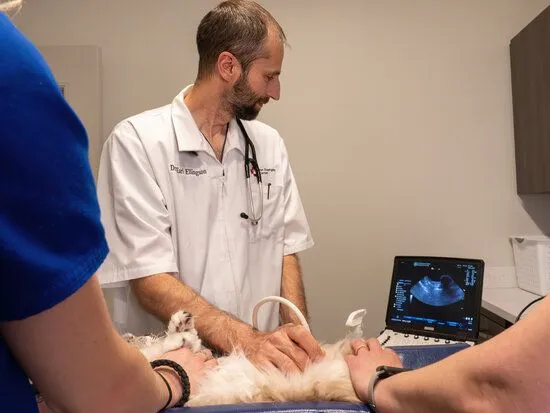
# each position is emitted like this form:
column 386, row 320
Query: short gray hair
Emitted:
column 236, row 26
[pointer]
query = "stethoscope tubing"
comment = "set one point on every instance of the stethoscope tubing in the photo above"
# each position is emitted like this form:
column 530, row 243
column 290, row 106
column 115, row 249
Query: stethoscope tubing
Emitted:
column 248, row 162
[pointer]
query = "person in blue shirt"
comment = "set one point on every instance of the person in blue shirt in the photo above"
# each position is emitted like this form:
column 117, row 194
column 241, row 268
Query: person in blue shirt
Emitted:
column 54, row 326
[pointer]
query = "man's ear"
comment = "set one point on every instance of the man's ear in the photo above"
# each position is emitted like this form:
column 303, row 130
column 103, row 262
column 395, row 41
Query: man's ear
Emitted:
column 229, row 67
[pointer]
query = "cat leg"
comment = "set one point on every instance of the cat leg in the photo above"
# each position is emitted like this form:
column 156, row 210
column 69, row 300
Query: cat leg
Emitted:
column 182, row 324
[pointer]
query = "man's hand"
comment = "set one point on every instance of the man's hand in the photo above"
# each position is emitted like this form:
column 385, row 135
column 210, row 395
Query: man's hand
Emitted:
column 367, row 356
column 289, row 349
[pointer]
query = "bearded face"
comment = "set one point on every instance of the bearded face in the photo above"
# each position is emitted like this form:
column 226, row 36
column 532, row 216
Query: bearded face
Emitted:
column 244, row 101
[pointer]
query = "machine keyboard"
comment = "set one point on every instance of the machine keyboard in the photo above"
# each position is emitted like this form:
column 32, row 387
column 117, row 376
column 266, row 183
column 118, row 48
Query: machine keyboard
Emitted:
column 390, row 338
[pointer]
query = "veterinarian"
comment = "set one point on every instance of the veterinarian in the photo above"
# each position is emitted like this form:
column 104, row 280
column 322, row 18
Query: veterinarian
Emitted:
column 200, row 205
column 508, row 373
column 54, row 324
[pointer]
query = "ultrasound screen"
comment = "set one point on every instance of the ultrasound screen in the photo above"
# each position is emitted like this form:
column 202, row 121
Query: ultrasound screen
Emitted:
column 436, row 294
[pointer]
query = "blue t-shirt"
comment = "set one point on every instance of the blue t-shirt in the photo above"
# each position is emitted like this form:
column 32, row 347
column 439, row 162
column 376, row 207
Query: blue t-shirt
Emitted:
column 51, row 238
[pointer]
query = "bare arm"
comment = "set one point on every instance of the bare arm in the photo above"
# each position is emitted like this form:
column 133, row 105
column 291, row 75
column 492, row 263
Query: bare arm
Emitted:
column 508, row 373
column 78, row 361
column 162, row 295
column 292, row 288
column 288, row 349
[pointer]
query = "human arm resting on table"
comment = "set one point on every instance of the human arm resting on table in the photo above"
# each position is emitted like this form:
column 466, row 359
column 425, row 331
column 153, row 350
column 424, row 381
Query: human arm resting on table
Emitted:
column 79, row 363
column 508, row 373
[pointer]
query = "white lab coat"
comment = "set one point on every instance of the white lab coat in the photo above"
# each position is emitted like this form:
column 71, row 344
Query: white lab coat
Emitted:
column 168, row 205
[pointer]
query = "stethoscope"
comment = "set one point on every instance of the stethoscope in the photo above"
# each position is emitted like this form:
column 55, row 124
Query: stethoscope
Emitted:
column 251, row 165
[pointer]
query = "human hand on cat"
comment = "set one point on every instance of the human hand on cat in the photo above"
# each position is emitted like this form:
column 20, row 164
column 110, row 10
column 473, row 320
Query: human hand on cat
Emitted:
column 367, row 356
column 289, row 348
column 194, row 364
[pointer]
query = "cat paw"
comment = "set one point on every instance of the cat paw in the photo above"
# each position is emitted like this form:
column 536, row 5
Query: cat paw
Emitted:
column 181, row 322
column 129, row 338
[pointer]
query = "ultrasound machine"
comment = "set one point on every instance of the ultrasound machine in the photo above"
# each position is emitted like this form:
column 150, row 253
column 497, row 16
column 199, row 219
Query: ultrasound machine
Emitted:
column 433, row 301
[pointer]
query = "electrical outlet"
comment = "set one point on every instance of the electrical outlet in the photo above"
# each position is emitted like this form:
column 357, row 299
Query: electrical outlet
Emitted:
column 500, row 277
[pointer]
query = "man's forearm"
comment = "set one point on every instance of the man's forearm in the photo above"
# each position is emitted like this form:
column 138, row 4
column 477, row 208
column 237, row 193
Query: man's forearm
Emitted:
column 292, row 288
column 162, row 295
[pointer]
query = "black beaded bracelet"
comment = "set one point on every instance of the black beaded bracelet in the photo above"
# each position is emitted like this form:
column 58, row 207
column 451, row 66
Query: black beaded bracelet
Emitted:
column 184, row 379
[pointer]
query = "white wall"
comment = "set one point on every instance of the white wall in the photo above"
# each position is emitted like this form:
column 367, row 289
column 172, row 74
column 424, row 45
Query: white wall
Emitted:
column 397, row 115
column 78, row 70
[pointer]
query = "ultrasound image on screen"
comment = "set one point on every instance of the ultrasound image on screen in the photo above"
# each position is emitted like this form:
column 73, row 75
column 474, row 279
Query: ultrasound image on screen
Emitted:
column 437, row 293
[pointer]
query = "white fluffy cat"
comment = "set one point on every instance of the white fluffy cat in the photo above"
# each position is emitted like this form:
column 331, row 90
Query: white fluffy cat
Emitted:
column 236, row 380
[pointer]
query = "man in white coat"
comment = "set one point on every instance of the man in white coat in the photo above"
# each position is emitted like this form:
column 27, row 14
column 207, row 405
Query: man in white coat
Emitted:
column 185, row 229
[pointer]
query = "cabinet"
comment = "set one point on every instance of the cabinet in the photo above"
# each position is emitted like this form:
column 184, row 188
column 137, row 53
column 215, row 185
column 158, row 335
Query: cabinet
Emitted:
column 530, row 66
